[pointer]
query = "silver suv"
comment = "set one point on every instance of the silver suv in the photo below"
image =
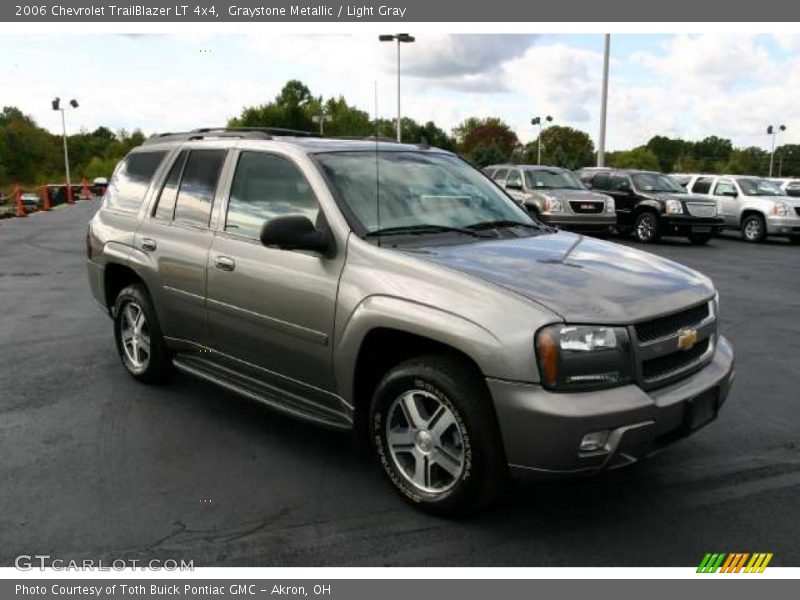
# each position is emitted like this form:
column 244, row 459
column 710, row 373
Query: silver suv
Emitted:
column 556, row 196
column 755, row 206
column 395, row 291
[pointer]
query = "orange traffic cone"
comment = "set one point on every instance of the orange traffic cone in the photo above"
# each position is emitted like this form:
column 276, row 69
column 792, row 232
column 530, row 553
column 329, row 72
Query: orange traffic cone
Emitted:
column 45, row 195
column 85, row 193
column 20, row 206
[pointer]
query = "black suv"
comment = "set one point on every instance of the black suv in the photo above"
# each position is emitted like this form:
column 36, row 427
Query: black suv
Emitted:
column 651, row 204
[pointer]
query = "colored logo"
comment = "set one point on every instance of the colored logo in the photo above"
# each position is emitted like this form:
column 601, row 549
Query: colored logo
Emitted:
column 687, row 338
column 737, row 562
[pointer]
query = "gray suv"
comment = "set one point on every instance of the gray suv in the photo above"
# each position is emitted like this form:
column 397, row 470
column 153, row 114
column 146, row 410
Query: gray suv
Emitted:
column 556, row 196
column 394, row 291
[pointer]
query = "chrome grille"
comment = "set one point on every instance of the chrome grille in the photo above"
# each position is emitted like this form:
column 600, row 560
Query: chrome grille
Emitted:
column 660, row 359
column 588, row 207
column 702, row 209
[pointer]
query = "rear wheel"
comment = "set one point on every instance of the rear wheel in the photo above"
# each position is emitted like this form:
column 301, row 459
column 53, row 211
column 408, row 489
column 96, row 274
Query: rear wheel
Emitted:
column 645, row 227
column 436, row 437
column 138, row 335
column 754, row 229
column 794, row 239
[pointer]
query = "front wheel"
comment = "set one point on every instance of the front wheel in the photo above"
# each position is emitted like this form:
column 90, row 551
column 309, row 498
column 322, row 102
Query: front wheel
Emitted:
column 436, row 437
column 138, row 335
column 645, row 227
column 700, row 239
column 754, row 229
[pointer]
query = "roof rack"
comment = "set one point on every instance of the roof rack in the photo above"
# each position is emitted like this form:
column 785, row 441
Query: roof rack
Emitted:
column 263, row 133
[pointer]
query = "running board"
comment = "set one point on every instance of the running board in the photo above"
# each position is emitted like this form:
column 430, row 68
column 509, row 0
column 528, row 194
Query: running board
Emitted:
column 289, row 404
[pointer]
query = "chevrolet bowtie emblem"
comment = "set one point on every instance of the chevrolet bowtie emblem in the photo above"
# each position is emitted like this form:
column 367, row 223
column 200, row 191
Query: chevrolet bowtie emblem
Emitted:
column 687, row 338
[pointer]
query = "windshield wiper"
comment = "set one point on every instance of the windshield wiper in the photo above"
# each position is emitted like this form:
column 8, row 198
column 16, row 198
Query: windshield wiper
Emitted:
column 422, row 228
column 504, row 224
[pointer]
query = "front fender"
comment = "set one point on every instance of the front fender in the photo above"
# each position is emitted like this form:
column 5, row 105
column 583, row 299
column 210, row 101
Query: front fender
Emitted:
column 390, row 312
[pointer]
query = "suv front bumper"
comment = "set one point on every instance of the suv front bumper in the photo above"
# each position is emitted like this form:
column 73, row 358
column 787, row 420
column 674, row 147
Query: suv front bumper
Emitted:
column 788, row 225
column 542, row 430
column 585, row 222
column 686, row 224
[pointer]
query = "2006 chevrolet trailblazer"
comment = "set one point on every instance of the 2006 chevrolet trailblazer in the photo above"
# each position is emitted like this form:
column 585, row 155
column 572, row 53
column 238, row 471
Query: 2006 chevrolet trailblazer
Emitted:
column 395, row 290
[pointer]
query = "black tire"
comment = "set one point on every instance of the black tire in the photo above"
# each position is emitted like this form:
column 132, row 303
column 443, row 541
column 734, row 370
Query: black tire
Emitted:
column 794, row 239
column 700, row 239
column 158, row 365
column 646, row 227
column 754, row 229
column 455, row 385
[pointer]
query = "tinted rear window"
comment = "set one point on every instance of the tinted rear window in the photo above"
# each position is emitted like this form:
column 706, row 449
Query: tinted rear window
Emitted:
column 131, row 180
column 702, row 185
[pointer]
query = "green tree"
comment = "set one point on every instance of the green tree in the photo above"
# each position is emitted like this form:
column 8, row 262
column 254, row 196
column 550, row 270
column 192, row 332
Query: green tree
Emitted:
column 562, row 147
column 638, row 158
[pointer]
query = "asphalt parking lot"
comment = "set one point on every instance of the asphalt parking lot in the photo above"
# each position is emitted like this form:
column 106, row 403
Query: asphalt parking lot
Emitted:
column 94, row 464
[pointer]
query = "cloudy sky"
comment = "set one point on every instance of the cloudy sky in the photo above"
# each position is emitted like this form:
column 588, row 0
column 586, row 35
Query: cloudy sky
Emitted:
column 689, row 86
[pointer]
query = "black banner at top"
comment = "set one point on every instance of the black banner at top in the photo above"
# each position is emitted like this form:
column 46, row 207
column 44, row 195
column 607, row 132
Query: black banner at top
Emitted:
column 173, row 11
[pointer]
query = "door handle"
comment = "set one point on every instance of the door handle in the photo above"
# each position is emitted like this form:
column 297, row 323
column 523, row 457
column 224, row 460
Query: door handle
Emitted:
column 148, row 245
column 224, row 263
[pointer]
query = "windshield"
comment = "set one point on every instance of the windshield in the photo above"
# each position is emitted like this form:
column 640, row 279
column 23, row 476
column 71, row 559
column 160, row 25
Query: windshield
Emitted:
column 760, row 187
column 552, row 180
column 416, row 189
column 656, row 182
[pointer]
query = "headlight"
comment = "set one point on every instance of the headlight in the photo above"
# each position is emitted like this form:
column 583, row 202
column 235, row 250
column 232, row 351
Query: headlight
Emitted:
column 583, row 357
column 674, row 207
column 781, row 209
column 610, row 206
column 553, row 205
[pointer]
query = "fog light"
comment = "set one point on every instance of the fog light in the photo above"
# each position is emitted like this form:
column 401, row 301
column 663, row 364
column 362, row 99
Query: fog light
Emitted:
column 594, row 441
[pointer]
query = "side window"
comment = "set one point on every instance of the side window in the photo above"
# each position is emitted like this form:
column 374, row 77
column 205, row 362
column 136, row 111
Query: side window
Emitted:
column 165, row 208
column 198, row 184
column 514, row 179
column 600, row 181
column 702, row 185
column 131, row 180
column 500, row 175
column 618, row 183
column 724, row 188
column 266, row 186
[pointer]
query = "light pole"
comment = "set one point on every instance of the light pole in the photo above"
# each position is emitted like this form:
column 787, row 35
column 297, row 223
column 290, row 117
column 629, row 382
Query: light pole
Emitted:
column 773, row 131
column 538, row 121
column 601, row 142
column 321, row 120
column 401, row 38
column 56, row 103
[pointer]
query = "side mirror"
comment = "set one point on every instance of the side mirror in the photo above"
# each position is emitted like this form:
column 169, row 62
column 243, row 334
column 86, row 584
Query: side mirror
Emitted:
column 294, row 232
column 514, row 186
column 731, row 193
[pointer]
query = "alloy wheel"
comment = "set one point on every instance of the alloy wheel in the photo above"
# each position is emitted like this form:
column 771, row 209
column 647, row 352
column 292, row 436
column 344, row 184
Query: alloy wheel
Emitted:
column 425, row 441
column 135, row 336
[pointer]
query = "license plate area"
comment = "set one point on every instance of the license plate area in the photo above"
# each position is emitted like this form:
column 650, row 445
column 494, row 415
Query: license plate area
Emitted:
column 701, row 229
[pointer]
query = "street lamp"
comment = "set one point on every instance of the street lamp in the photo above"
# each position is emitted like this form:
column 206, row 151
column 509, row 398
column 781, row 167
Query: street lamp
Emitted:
column 400, row 38
column 538, row 121
column 773, row 131
column 321, row 119
column 56, row 103
column 601, row 142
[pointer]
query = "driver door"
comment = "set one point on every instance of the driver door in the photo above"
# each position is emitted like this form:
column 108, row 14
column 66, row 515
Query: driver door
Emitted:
column 727, row 197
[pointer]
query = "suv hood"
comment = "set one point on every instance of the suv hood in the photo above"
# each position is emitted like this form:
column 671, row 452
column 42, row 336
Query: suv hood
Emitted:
column 583, row 280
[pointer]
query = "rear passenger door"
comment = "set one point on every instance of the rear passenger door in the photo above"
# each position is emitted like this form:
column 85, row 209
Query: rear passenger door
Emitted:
column 176, row 235
column 269, row 307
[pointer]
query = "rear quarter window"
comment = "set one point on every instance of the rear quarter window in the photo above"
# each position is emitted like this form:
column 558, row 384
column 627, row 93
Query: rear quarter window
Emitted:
column 129, row 185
